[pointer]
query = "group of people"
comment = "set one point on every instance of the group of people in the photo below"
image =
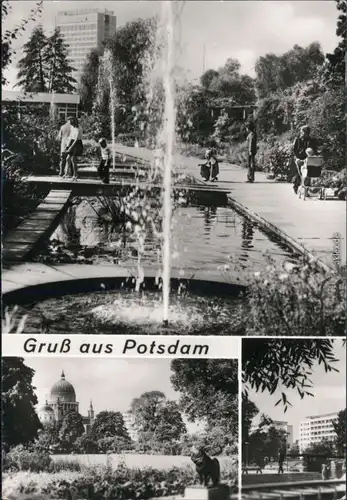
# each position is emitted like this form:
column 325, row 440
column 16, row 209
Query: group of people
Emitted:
column 71, row 147
column 303, row 147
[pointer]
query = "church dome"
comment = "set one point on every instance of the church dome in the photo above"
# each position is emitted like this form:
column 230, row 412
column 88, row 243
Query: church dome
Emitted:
column 63, row 390
column 46, row 408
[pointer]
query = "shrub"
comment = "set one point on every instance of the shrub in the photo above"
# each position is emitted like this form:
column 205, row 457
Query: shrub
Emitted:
column 21, row 458
column 294, row 300
column 279, row 160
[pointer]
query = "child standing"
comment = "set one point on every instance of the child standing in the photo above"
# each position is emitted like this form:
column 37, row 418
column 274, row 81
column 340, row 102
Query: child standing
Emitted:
column 105, row 162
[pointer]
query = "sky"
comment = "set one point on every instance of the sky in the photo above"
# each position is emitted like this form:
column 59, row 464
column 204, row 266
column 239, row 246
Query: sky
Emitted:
column 329, row 391
column 110, row 383
column 243, row 30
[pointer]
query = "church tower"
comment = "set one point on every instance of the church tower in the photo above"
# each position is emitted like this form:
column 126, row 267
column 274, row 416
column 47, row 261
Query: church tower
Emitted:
column 91, row 413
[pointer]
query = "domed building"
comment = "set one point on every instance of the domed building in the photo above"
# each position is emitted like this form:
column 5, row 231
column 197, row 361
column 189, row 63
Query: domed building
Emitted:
column 62, row 400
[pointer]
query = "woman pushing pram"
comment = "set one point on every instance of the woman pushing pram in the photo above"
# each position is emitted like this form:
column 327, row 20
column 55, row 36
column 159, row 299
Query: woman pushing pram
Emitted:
column 209, row 171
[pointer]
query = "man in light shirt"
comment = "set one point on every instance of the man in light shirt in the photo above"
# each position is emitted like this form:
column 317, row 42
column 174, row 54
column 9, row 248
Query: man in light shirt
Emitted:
column 63, row 137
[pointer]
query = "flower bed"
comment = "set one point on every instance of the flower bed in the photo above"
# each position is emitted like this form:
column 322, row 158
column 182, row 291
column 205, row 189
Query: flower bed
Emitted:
column 99, row 483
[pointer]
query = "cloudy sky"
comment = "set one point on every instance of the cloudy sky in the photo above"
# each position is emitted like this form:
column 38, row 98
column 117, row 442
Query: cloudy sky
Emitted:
column 240, row 29
column 329, row 395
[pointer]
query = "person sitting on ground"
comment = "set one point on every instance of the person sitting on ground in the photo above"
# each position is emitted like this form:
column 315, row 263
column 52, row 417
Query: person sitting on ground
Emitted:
column 74, row 147
column 302, row 143
column 210, row 169
column 105, row 162
column 252, row 151
column 63, row 137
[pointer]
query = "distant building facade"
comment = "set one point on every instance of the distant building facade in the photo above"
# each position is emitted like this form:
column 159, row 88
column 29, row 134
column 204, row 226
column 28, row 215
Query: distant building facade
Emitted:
column 62, row 399
column 84, row 30
column 316, row 428
column 281, row 425
column 129, row 422
column 61, row 105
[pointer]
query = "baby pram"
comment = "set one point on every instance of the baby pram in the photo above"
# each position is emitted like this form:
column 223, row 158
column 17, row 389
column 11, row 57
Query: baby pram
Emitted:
column 311, row 169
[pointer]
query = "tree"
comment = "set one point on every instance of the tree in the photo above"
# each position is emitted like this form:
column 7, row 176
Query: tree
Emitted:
column 340, row 429
column 85, row 444
column 265, row 443
column 157, row 419
column 207, row 77
column 316, row 454
column 71, row 429
column 268, row 363
column 294, row 450
column 109, row 424
column 88, row 85
column 32, row 75
column 20, row 423
column 170, row 425
column 228, row 82
column 60, row 78
column 209, row 390
column 146, row 410
column 8, row 36
column 48, row 438
column 335, row 70
column 275, row 73
column 115, row 444
column 130, row 46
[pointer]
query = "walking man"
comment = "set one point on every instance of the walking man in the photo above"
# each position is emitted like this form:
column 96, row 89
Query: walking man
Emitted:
column 63, row 137
column 281, row 458
column 252, row 151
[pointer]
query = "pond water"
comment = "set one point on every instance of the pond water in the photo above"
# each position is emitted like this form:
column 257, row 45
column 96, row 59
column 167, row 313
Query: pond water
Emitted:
column 206, row 239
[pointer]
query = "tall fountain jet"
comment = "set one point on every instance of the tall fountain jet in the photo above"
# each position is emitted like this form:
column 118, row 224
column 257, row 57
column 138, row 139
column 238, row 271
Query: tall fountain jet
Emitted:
column 108, row 72
column 169, row 142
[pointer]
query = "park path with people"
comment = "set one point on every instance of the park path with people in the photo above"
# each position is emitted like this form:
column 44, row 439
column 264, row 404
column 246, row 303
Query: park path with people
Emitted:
column 318, row 225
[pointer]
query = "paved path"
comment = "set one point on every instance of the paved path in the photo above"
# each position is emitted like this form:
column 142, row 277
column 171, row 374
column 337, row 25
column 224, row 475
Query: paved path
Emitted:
column 313, row 223
column 20, row 242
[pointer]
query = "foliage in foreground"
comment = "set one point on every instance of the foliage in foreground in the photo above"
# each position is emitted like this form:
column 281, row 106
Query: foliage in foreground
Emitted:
column 295, row 299
column 268, row 364
column 104, row 482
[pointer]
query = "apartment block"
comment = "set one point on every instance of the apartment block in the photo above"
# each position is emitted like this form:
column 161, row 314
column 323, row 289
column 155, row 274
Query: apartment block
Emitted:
column 84, row 30
column 316, row 428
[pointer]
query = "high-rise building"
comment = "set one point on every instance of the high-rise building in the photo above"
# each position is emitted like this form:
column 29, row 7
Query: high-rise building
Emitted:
column 317, row 428
column 84, row 30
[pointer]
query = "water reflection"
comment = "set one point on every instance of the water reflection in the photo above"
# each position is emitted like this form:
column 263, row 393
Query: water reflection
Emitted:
column 203, row 239
column 247, row 235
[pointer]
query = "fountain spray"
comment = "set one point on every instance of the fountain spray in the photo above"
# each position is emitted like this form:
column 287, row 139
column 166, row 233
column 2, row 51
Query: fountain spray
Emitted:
column 169, row 136
column 108, row 69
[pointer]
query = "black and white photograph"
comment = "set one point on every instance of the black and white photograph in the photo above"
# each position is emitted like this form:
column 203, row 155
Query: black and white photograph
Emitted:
column 119, row 429
column 293, row 419
column 174, row 167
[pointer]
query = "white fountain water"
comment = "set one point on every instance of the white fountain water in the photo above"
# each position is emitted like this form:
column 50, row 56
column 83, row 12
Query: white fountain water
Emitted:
column 109, row 75
column 169, row 137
